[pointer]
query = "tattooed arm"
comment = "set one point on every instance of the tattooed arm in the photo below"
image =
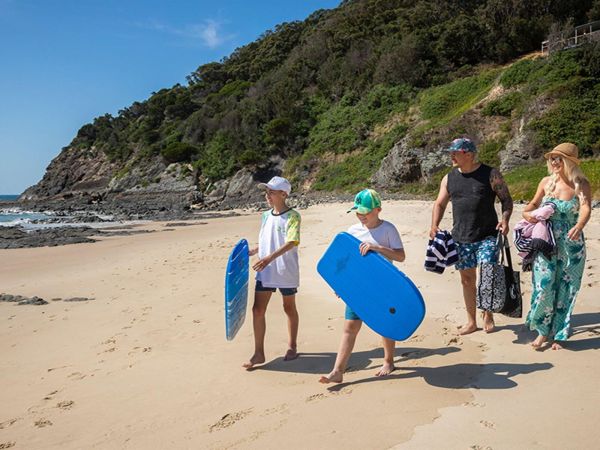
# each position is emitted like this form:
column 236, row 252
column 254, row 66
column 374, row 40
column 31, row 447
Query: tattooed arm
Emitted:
column 501, row 189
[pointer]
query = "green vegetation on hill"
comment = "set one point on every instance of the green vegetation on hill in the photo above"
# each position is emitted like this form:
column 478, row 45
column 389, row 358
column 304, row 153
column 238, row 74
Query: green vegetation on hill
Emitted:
column 572, row 79
column 334, row 92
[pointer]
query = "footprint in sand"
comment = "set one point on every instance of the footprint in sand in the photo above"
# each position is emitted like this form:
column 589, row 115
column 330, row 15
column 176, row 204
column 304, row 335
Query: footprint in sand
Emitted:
column 345, row 390
column 41, row 423
column 56, row 368
column 67, row 404
column 8, row 423
column 277, row 409
column 487, row 424
column 474, row 404
column 8, row 444
column 50, row 395
column 314, row 397
column 229, row 419
column 455, row 340
column 137, row 349
column 76, row 376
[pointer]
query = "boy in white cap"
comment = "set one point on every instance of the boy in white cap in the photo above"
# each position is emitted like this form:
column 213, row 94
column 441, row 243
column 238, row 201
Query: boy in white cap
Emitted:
column 376, row 235
column 277, row 267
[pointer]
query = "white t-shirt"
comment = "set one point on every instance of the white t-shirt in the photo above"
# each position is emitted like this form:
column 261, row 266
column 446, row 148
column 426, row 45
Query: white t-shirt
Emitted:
column 275, row 231
column 385, row 235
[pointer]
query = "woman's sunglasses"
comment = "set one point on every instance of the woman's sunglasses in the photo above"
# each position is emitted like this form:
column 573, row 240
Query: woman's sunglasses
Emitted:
column 556, row 159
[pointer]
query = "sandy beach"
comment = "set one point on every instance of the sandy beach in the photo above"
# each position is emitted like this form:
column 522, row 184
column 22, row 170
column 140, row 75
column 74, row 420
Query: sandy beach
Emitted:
column 144, row 362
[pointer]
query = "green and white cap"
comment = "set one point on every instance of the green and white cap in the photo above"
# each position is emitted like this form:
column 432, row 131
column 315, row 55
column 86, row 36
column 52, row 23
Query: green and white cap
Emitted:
column 366, row 201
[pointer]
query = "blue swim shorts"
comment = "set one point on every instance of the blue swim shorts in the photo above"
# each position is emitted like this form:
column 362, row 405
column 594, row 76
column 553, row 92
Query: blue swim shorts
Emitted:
column 473, row 253
column 350, row 315
column 284, row 291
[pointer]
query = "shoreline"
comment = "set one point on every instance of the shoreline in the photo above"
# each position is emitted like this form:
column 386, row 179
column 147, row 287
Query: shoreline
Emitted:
column 145, row 364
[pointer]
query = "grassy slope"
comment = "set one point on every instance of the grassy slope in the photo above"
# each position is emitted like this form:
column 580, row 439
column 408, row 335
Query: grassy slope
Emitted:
column 346, row 150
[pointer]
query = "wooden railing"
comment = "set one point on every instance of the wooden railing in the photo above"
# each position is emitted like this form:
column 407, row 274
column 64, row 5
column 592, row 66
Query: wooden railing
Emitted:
column 583, row 34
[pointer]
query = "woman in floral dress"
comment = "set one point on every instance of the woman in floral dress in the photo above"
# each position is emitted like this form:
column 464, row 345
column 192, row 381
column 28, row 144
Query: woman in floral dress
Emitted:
column 556, row 281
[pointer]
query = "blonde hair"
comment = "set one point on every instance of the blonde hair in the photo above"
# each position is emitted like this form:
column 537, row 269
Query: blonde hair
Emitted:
column 573, row 174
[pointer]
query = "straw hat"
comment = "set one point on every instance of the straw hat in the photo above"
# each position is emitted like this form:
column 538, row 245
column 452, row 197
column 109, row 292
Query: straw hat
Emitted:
column 566, row 150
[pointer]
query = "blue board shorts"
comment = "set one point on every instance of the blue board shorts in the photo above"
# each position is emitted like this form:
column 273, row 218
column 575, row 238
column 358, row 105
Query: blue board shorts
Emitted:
column 284, row 291
column 350, row 315
column 470, row 254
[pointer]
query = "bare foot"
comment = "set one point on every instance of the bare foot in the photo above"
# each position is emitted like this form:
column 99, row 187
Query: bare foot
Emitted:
column 386, row 369
column 334, row 377
column 538, row 343
column 488, row 322
column 257, row 358
column 556, row 346
column 290, row 354
column 467, row 329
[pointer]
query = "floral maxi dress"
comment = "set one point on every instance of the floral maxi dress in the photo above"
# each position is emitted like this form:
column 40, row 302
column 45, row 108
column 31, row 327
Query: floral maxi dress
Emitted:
column 556, row 281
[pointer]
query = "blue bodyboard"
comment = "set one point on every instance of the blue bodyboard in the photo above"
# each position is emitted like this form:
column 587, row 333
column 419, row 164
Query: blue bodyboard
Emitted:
column 380, row 294
column 236, row 289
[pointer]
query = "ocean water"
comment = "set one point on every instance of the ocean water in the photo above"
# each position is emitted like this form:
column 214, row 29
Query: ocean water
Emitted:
column 12, row 216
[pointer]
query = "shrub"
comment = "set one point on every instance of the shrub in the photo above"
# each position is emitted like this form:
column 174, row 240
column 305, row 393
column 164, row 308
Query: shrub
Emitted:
column 488, row 152
column 503, row 106
column 444, row 102
column 519, row 72
column 178, row 152
column 217, row 158
column 346, row 125
column 355, row 171
column 576, row 118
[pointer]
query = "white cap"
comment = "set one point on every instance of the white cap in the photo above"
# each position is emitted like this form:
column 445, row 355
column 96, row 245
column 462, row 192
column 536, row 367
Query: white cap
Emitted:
column 277, row 184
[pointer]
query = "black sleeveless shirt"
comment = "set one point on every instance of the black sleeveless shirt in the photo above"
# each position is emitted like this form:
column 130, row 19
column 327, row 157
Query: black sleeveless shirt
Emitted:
column 472, row 200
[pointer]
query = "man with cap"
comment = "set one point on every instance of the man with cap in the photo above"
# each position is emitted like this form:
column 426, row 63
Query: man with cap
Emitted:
column 472, row 187
column 277, row 267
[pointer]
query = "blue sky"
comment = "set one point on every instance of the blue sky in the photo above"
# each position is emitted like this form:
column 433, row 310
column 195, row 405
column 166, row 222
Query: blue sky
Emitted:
column 62, row 63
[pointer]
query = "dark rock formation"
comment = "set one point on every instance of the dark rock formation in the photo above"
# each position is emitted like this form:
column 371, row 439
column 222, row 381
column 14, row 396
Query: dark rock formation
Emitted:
column 401, row 165
column 21, row 300
column 73, row 170
column 37, row 301
column 17, row 237
column 521, row 149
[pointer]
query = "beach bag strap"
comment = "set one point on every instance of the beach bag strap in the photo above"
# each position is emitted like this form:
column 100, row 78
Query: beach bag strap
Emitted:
column 513, row 305
column 506, row 252
column 501, row 244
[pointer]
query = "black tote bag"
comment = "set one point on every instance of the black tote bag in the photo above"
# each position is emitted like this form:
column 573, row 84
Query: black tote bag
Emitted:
column 499, row 286
column 491, row 287
column 513, row 304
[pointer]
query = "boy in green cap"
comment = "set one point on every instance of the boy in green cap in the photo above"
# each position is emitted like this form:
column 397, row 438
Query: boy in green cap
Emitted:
column 376, row 235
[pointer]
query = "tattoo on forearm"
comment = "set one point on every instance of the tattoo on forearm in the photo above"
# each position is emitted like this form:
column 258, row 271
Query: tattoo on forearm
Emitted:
column 501, row 189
